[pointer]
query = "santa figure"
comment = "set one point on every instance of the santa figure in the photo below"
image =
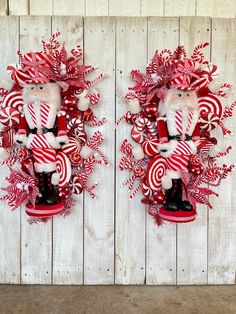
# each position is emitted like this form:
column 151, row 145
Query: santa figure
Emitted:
column 42, row 129
column 178, row 131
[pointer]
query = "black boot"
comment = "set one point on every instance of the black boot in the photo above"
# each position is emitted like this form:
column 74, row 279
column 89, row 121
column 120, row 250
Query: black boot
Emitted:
column 172, row 201
column 51, row 195
column 41, row 186
column 183, row 205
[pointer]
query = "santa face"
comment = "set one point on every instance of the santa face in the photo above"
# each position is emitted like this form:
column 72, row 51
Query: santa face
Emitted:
column 41, row 104
column 49, row 92
column 177, row 99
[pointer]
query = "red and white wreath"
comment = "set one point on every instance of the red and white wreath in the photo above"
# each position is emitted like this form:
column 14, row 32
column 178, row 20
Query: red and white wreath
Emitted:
column 43, row 117
column 174, row 109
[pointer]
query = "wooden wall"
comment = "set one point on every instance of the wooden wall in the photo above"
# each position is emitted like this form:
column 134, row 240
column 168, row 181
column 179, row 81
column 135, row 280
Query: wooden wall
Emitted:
column 111, row 239
column 213, row 8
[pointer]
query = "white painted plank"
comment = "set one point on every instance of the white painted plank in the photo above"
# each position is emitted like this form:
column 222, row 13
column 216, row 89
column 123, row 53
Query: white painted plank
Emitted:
column 41, row 7
column 179, row 8
column 18, row 7
column 216, row 8
column 9, row 220
column 152, row 7
column 161, row 241
column 124, row 8
column 68, row 231
column 99, row 43
column 222, row 218
column 3, row 7
column 68, row 7
column 131, row 53
column 36, row 240
column 100, row 9
column 192, row 237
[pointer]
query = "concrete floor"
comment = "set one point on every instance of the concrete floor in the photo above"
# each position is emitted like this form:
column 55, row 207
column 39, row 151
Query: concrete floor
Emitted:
column 117, row 299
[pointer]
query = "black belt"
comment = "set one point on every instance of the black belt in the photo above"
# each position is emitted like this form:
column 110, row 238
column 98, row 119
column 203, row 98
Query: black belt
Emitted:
column 178, row 137
column 44, row 130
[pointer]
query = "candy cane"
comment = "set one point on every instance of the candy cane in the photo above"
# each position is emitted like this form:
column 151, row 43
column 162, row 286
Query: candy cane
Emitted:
column 9, row 161
column 93, row 143
column 179, row 51
column 224, row 90
column 135, row 191
column 120, row 119
column 75, row 122
column 167, row 57
column 94, row 122
column 224, row 153
column 228, row 112
column 97, row 79
column 197, row 55
column 126, row 148
column 146, row 123
column 89, row 69
column 224, row 129
column 77, row 52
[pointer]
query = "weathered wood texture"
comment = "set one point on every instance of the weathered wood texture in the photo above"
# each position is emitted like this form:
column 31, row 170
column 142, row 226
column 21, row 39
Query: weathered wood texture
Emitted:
column 213, row 8
column 111, row 239
column 131, row 53
column 161, row 242
column 9, row 221
column 36, row 240
column 68, row 233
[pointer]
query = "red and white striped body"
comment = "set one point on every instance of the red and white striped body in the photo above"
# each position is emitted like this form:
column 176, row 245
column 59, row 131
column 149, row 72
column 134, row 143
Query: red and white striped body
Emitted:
column 41, row 111
column 40, row 115
column 184, row 124
column 179, row 120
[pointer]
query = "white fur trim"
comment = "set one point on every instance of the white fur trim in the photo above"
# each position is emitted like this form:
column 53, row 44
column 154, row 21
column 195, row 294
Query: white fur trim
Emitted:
column 166, row 182
column 138, row 153
column 169, row 147
column 45, row 167
column 62, row 138
column 51, row 139
column 214, row 86
column 55, row 178
column 215, row 150
column 21, row 138
column 134, row 106
column 3, row 154
column 86, row 152
column 193, row 146
column 173, row 174
column 6, row 84
column 29, row 140
column 83, row 104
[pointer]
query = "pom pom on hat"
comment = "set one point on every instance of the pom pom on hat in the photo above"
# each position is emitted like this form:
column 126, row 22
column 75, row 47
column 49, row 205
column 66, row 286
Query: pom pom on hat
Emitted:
column 214, row 86
column 83, row 102
column 86, row 152
column 55, row 178
column 166, row 182
column 138, row 153
column 134, row 106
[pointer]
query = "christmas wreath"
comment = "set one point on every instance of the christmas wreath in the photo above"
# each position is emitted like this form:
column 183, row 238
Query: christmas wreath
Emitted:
column 174, row 109
column 43, row 114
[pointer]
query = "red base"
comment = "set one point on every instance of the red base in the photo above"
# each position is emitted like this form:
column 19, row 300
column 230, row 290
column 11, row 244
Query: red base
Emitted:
column 44, row 211
column 179, row 216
